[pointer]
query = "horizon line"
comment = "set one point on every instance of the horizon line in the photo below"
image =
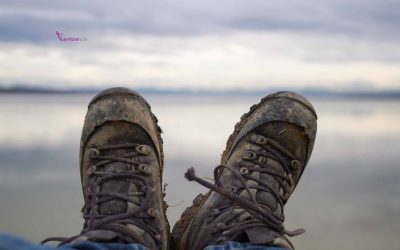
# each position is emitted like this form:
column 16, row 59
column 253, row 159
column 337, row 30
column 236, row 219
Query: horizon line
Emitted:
column 308, row 91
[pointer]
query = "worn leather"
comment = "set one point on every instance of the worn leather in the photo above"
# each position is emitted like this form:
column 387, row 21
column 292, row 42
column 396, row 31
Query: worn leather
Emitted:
column 118, row 116
column 287, row 119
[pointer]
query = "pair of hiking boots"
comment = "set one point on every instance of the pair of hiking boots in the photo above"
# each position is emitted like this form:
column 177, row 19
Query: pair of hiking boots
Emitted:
column 121, row 164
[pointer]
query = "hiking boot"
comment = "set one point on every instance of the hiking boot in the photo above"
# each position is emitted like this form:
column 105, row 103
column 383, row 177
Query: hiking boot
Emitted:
column 121, row 164
column 260, row 167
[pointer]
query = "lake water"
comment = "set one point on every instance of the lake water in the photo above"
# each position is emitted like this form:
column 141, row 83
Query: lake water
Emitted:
column 348, row 197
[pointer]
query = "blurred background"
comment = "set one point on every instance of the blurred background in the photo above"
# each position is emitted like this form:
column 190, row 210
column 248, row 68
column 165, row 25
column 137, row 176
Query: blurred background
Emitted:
column 201, row 65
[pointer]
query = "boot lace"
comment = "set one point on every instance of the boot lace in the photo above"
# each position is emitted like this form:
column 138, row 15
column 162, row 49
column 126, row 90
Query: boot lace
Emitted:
column 138, row 169
column 254, row 161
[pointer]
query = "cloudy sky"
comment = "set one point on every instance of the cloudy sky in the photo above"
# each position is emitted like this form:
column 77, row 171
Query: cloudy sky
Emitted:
column 207, row 44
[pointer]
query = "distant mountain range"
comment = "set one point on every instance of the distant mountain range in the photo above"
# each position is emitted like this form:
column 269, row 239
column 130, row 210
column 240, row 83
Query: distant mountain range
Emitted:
column 312, row 92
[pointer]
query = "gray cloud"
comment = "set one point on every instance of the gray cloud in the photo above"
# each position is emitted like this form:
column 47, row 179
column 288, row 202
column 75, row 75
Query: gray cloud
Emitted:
column 37, row 21
column 201, row 44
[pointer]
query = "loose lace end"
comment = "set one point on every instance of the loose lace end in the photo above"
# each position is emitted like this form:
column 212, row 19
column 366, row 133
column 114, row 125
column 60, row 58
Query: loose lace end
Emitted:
column 295, row 232
column 190, row 174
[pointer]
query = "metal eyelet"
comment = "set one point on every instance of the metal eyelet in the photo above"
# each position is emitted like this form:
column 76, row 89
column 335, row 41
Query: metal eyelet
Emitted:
column 143, row 149
column 232, row 189
column 244, row 171
column 259, row 139
column 146, row 169
column 295, row 165
column 93, row 153
column 91, row 170
column 250, row 155
column 152, row 212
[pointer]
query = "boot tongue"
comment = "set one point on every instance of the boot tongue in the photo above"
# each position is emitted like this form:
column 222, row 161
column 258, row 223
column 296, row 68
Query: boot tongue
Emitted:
column 117, row 186
column 116, row 206
column 244, row 156
column 264, row 197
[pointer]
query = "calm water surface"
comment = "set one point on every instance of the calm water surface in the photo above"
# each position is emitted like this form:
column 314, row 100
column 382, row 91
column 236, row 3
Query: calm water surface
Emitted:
column 348, row 197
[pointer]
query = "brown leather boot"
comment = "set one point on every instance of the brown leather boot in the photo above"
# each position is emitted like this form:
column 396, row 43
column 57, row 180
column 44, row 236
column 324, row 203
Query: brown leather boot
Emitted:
column 261, row 166
column 121, row 164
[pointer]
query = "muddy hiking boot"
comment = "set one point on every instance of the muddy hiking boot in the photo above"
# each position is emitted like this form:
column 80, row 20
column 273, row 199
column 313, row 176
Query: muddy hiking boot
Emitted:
column 261, row 166
column 121, row 164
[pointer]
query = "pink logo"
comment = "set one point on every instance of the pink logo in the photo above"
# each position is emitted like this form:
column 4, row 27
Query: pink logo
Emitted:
column 69, row 39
